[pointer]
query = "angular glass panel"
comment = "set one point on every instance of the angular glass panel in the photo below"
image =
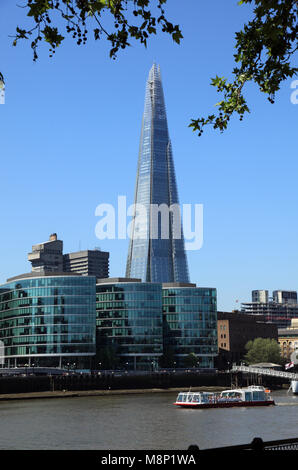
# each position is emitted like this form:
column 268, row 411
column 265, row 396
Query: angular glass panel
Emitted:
column 159, row 258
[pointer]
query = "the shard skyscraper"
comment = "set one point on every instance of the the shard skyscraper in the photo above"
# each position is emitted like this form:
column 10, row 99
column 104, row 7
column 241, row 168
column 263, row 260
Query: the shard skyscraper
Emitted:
column 154, row 256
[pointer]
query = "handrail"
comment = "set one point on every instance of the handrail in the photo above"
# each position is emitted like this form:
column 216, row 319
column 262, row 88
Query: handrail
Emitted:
column 257, row 444
column 264, row 371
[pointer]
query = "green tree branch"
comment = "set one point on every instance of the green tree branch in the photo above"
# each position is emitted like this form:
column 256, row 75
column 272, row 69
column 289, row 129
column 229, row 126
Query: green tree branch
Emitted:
column 265, row 48
column 80, row 16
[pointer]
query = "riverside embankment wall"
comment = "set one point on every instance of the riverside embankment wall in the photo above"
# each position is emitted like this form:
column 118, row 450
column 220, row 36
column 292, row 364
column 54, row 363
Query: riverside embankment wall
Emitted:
column 122, row 381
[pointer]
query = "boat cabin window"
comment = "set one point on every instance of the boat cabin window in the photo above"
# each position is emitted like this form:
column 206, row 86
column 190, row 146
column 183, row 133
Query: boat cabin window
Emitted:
column 207, row 397
column 189, row 398
column 247, row 396
column 258, row 395
column 231, row 394
column 196, row 398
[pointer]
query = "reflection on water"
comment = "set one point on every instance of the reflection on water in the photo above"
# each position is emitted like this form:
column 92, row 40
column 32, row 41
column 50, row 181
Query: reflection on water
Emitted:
column 147, row 421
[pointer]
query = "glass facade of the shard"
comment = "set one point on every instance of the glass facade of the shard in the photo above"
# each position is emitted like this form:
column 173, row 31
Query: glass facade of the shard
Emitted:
column 156, row 251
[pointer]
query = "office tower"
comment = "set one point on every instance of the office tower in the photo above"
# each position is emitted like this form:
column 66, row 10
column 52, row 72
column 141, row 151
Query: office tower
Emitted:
column 87, row 262
column 284, row 296
column 142, row 324
column 52, row 324
column 47, row 256
column 129, row 323
column 259, row 296
column 189, row 324
column 279, row 309
column 156, row 253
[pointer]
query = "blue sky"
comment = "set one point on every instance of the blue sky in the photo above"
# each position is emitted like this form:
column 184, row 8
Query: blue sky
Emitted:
column 69, row 141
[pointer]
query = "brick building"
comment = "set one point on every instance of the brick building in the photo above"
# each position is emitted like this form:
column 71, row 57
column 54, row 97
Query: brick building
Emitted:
column 235, row 329
column 288, row 339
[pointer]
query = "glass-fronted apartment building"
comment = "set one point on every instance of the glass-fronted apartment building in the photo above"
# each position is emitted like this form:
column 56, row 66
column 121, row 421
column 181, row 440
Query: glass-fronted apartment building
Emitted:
column 190, row 323
column 71, row 321
column 48, row 319
column 146, row 324
column 129, row 324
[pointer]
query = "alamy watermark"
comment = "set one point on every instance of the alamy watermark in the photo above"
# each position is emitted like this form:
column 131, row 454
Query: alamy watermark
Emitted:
column 294, row 94
column 151, row 221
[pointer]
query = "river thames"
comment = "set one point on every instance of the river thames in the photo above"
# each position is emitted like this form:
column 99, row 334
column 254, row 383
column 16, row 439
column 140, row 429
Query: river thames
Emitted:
column 140, row 421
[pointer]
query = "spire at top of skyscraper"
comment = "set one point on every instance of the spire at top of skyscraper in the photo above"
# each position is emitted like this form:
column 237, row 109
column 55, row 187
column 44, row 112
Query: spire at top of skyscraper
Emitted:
column 154, row 71
column 157, row 258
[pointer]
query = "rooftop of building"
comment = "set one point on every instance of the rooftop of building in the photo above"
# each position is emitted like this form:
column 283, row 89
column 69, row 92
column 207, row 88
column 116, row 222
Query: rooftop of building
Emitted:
column 287, row 332
column 36, row 274
column 165, row 285
column 241, row 316
column 53, row 238
column 177, row 284
column 116, row 280
column 270, row 303
column 75, row 254
column 290, row 330
column 266, row 365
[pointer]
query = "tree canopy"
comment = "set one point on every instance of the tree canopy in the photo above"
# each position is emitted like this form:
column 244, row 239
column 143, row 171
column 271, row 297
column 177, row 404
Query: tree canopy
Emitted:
column 191, row 360
column 263, row 350
column 264, row 53
column 130, row 19
column 265, row 47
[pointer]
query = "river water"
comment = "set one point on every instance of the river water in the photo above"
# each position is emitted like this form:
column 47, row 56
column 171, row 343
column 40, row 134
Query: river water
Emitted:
column 136, row 422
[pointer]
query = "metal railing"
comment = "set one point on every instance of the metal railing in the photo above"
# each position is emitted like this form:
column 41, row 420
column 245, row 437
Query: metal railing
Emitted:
column 261, row 371
column 257, row 444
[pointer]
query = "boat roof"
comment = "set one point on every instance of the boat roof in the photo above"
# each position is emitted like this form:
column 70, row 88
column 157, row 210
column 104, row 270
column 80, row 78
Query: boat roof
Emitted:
column 232, row 390
column 246, row 389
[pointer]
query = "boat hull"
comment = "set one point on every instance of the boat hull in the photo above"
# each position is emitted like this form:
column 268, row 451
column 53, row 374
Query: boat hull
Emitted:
column 225, row 404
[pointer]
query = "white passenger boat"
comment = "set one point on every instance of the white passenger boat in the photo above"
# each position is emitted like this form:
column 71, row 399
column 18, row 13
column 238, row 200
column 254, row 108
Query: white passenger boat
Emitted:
column 249, row 396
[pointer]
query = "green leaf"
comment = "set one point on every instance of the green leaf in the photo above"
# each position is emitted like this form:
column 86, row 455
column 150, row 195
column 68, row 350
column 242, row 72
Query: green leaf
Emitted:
column 38, row 8
column 52, row 36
